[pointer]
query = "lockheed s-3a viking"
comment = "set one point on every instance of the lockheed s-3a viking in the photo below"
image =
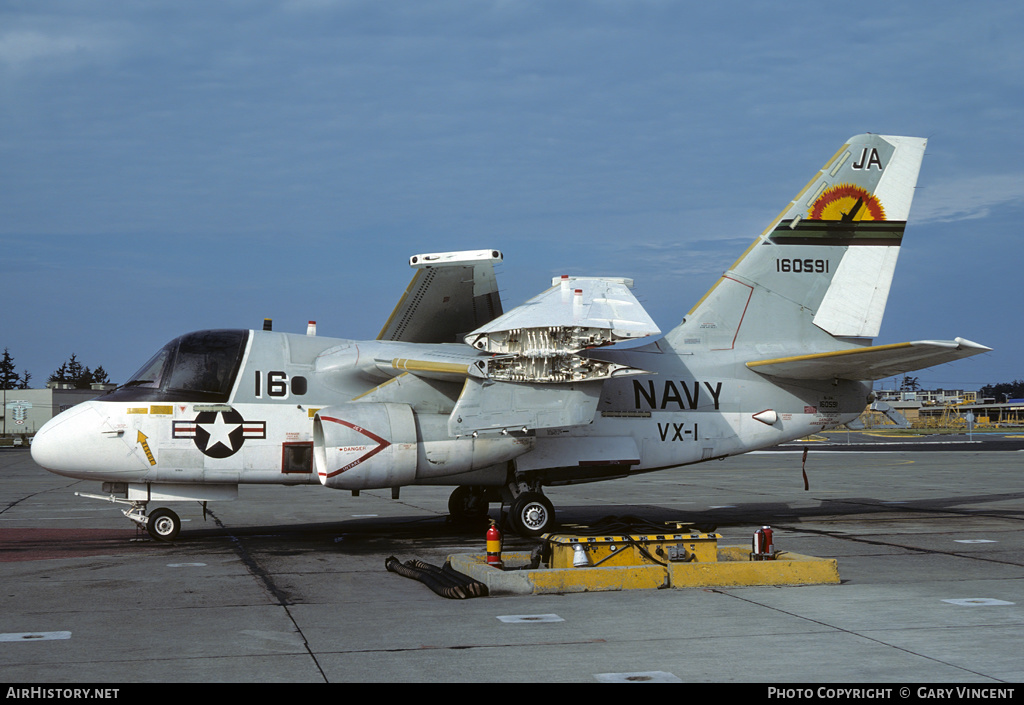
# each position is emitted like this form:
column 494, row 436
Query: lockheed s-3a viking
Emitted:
column 455, row 392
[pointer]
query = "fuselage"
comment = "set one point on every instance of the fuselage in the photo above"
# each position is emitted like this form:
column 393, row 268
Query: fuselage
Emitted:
column 231, row 407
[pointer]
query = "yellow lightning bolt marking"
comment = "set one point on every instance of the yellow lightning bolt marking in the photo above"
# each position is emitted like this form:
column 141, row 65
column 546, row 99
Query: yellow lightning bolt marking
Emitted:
column 145, row 446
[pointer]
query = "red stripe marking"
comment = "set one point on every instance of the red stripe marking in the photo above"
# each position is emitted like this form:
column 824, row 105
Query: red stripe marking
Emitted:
column 369, row 434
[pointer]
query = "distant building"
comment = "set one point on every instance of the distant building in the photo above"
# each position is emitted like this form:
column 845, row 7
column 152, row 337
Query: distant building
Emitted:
column 927, row 396
column 944, row 408
column 24, row 411
column 1006, row 414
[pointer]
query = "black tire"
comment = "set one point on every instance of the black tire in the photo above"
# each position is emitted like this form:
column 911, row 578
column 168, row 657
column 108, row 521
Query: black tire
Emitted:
column 468, row 504
column 532, row 514
column 163, row 524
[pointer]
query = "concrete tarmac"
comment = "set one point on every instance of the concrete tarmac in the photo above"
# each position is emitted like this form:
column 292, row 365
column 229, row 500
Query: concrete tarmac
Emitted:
column 288, row 584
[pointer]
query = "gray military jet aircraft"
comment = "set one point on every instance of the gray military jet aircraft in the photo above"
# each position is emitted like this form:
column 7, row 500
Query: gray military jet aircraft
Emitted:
column 455, row 392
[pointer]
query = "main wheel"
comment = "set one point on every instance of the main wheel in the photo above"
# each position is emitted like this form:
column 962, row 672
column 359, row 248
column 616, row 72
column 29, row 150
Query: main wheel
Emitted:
column 467, row 503
column 163, row 524
column 532, row 514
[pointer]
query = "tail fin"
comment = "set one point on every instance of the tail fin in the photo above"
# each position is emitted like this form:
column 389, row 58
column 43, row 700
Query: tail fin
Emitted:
column 823, row 268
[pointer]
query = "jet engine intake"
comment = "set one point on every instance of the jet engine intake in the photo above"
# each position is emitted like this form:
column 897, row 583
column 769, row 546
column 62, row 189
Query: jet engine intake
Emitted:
column 365, row 446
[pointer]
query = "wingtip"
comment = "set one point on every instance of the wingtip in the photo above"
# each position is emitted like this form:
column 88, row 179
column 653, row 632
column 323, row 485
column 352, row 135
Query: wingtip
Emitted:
column 965, row 343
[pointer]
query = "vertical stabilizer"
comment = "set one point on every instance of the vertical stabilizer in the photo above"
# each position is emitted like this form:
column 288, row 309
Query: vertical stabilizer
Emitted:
column 823, row 267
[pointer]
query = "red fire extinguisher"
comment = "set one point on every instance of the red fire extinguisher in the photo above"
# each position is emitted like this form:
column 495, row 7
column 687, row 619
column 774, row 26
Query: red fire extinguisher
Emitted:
column 763, row 544
column 494, row 546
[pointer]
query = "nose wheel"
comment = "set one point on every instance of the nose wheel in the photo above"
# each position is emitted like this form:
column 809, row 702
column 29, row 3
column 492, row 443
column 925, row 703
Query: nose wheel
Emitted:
column 163, row 525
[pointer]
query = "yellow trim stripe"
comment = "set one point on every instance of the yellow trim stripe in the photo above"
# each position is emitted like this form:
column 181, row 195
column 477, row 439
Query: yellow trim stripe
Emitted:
column 382, row 384
column 465, row 388
column 427, row 366
column 401, row 301
column 827, row 355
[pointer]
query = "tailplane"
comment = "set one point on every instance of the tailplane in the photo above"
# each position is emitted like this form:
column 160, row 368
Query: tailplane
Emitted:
column 823, row 268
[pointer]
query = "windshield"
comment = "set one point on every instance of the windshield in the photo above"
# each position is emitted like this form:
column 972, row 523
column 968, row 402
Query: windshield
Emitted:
column 152, row 372
column 198, row 366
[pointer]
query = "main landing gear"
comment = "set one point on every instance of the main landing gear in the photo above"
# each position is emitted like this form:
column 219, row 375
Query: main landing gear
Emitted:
column 469, row 503
column 530, row 513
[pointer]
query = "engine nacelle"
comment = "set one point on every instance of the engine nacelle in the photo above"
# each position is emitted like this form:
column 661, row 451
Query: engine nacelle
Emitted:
column 372, row 445
column 365, row 446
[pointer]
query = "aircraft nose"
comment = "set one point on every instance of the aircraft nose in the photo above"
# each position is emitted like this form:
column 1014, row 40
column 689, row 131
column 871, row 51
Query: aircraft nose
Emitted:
column 79, row 443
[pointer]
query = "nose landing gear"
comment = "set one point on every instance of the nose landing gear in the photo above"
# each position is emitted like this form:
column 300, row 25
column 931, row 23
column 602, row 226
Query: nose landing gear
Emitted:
column 161, row 524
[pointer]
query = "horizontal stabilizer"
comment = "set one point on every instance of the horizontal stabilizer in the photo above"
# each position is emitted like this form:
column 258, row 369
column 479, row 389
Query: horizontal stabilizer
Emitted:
column 869, row 363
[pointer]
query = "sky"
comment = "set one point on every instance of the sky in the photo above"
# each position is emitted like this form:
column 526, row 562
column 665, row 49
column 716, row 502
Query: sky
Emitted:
column 175, row 166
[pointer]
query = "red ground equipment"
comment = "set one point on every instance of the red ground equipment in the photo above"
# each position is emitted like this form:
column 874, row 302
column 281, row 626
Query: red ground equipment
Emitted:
column 763, row 546
column 494, row 546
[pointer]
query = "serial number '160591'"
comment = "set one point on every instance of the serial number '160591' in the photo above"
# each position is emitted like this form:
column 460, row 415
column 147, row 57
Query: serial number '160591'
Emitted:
column 806, row 266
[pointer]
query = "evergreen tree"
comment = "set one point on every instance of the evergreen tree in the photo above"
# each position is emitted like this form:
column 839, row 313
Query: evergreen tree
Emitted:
column 60, row 375
column 8, row 376
column 75, row 370
column 73, row 373
column 910, row 384
column 1004, row 390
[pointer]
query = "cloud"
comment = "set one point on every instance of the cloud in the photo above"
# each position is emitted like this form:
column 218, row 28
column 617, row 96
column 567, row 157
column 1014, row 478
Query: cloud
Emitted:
column 967, row 198
column 19, row 48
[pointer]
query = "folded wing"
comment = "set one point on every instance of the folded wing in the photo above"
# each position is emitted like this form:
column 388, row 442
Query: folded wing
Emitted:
column 540, row 341
column 537, row 376
column 450, row 294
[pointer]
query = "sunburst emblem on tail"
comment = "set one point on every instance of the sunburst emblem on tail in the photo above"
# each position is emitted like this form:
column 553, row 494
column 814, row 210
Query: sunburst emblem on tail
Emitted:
column 846, row 202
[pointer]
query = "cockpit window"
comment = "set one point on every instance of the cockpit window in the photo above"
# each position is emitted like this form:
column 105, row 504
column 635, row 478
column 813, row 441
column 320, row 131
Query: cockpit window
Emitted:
column 205, row 362
column 150, row 374
column 199, row 366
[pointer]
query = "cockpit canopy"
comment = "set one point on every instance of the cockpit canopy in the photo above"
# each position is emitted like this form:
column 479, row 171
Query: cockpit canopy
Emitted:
column 199, row 366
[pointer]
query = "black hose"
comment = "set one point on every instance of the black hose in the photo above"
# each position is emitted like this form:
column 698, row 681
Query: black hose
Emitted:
column 472, row 587
column 448, row 578
column 439, row 587
column 450, row 584
column 477, row 588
